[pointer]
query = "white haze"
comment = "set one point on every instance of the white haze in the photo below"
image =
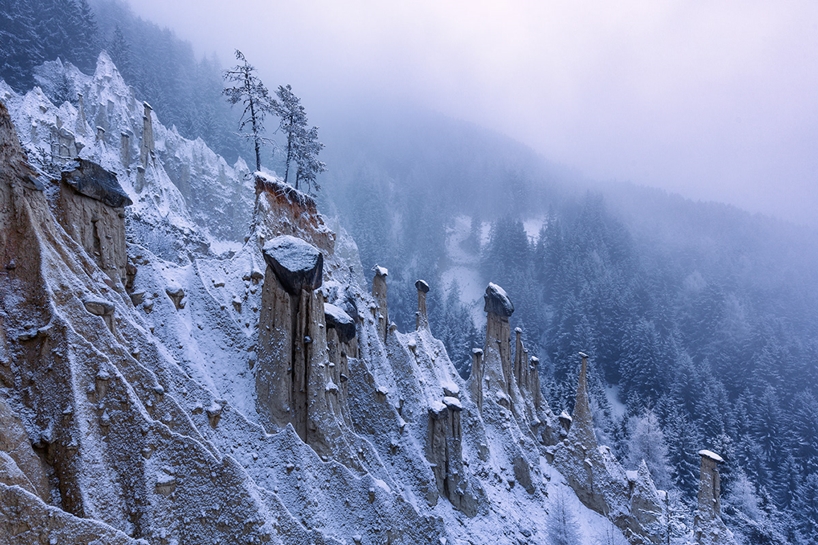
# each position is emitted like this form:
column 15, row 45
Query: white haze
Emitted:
column 714, row 100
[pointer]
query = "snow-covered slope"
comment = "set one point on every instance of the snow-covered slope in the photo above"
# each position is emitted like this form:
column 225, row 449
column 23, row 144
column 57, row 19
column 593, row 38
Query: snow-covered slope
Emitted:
column 173, row 393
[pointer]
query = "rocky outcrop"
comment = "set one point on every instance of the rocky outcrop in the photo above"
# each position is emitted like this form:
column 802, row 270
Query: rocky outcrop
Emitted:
column 421, row 317
column 445, row 453
column 90, row 208
column 537, row 413
column 597, row 477
column 646, row 505
column 91, row 180
column 381, row 307
column 341, row 322
column 290, row 335
column 476, row 377
column 146, row 146
column 241, row 397
column 709, row 499
column 19, row 465
column 286, row 211
column 709, row 529
column 497, row 350
column 26, row 519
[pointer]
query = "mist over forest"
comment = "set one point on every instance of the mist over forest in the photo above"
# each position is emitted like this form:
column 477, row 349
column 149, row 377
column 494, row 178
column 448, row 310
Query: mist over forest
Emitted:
column 698, row 318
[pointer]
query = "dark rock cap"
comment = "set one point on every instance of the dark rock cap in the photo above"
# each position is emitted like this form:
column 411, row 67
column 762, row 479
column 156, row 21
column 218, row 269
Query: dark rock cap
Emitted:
column 339, row 320
column 421, row 285
column 497, row 301
column 297, row 264
column 91, row 180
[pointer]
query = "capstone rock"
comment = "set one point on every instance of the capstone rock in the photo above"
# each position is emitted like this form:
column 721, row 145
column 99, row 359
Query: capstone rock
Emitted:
column 298, row 265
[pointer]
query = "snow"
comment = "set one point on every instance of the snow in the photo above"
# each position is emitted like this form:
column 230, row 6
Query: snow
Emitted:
column 497, row 300
column 200, row 356
column 617, row 407
column 711, row 455
column 294, row 254
column 437, row 407
column 464, row 269
column 532, row 227
column 337, row 314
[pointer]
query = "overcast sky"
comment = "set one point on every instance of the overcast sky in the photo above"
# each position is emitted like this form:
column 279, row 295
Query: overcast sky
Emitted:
column 714, row 100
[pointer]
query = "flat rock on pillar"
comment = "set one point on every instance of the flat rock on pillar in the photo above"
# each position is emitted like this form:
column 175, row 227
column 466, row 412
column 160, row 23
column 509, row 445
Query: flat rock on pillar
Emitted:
column 298, row 265
column 422, row 319
column 379, row 293
column 497, row 301
column 91, row 180
column 339, row 320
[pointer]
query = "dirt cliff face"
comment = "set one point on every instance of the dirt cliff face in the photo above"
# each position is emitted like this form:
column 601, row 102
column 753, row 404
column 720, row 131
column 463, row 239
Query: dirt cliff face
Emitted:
column 205, row 399
column 98, row 226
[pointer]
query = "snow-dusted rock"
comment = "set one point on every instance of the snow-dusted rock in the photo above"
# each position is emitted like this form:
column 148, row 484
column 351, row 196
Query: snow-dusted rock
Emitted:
column 497, row 301
column 99, row 307
column 91, row 180
column 380, row 310
column 421, row 319
column 339, row 320
column 221, row 423
column 297, row 264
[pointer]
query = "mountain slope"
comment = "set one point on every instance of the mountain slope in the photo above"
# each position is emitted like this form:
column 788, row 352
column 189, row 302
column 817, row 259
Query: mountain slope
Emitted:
column 173, row 392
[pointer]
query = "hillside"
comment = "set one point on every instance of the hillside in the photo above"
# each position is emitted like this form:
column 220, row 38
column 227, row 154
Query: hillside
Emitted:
column 699, row 314
column 161, row 384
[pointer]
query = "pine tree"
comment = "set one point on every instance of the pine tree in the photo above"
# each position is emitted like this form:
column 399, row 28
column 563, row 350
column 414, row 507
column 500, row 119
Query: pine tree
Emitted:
column 253, row 95
column 120, row 52
column 789, row 477
column 647, row 442
column 507, row 252
column 21, row 46
column 641, row 365
column 805, row 429
column 87, row 35
column 306, row 159
column 766, row 424
column 805, row 505
column 562, row 525
column 303, row 145
column 293, row 123
column 684, row 441
column 451, row 322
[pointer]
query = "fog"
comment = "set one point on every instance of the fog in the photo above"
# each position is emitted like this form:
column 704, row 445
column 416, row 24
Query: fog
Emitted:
column 714, row 100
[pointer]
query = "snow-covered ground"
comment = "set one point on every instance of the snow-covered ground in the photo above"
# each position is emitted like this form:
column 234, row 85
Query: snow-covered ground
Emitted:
column 185, row 429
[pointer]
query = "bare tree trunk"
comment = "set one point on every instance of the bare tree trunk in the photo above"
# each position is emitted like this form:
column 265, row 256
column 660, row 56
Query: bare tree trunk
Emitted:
column 255, row 134
column 289, row 155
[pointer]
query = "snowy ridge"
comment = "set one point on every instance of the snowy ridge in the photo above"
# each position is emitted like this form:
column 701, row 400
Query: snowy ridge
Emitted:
column 185, row 183
column 155, row 419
